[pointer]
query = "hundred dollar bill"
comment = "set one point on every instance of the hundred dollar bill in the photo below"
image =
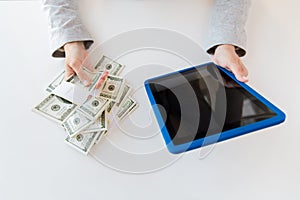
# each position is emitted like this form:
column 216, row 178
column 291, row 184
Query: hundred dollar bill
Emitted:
column 83, row 142
column 101, row 134
column 110, row 106
column 112, row 88
column 107, row 64
column 93, row 76
column 55, row 108
column 57, row 81
column 125, row 92
column 94, row 106
column 76, row 122
column 126, row 108
column 99, row 125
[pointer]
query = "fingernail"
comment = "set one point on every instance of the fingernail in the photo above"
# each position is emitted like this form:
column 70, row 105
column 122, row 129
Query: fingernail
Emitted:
column 245, row 77
column 85, row 83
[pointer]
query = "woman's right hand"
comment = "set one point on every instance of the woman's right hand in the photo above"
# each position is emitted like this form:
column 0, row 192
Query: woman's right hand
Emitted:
column 76, row 55
column 76, row 59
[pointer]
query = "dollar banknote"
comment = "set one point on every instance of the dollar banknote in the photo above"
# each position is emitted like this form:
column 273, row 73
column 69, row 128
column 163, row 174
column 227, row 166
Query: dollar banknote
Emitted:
column 110, row 106
column 93, row 107
column 84, row 112
column 107, row 64
column 93, row 77
column 56, row 81
column 125, row 92
column 99, row 125
column 83, row 142
column 76, row 122
column 126, row 108
column 112, row 88
column 55, row 108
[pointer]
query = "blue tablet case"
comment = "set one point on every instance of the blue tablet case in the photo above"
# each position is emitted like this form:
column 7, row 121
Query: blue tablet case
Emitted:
column 278, row 118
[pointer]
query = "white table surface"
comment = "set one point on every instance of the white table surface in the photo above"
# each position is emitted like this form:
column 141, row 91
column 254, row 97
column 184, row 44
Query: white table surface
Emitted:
column 37, row 164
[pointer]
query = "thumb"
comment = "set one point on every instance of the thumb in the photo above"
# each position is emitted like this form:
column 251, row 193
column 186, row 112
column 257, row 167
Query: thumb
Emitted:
column 68, row 72
column 239, row 70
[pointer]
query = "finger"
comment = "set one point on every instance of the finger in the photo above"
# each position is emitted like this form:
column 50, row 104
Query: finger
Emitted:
column 77, row 67
column 240, row 71
column 215, row 60
column 102, row 79
column 83, row 77
column 88, row 65
column 69, row 72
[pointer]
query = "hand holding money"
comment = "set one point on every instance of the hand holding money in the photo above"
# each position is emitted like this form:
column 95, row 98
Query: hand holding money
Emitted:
column 76, row 59
column 76, row 54
column 87, row 122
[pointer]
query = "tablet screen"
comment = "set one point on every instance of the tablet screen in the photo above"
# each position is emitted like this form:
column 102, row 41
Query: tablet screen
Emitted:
column 204, row 101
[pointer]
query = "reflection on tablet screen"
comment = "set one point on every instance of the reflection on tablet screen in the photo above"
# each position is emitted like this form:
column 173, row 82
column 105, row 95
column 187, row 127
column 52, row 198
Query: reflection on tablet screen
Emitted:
column 221, row 104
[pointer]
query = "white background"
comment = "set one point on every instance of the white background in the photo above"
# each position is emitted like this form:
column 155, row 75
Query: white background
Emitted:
column 37, row 164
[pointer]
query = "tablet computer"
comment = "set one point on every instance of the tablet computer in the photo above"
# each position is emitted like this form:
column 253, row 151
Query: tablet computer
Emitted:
column 206, row 104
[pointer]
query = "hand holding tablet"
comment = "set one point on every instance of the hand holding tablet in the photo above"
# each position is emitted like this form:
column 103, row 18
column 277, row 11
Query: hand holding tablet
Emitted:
column 206, row 104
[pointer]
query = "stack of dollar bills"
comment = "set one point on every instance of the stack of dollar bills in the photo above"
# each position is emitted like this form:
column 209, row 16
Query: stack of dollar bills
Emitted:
column 87, row 122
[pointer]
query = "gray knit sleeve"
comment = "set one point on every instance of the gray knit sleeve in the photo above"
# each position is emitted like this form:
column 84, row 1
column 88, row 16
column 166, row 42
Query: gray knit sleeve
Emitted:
column 65, row 25
column 227, row 25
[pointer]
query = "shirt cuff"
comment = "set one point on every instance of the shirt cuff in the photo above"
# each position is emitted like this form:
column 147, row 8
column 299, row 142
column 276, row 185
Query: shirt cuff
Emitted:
column 239, row 50
column 62, row 36
column 226, row 34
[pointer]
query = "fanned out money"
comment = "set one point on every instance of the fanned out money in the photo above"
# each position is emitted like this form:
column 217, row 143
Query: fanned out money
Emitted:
column 86, row 123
